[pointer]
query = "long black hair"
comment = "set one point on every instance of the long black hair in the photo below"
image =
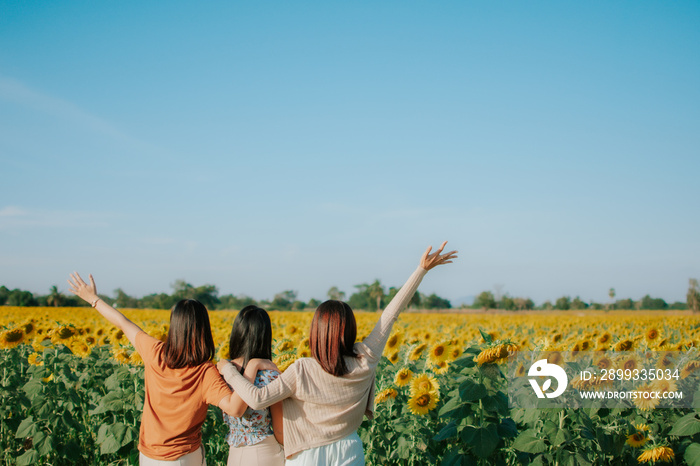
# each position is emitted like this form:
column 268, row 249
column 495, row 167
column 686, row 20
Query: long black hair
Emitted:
column 251, row 335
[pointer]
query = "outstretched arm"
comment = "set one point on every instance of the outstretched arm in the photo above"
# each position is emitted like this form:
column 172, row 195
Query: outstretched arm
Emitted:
column 88, row 293
column 380, row 334
column 233, row 405
column 258, row 397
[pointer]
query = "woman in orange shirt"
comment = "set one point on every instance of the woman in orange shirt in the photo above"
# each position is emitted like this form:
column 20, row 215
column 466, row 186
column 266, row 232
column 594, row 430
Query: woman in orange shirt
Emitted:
column 180, row 379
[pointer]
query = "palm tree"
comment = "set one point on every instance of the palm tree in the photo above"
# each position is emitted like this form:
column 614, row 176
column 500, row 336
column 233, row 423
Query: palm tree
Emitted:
column 376, row 291
column 55, row 297
column 611, row 293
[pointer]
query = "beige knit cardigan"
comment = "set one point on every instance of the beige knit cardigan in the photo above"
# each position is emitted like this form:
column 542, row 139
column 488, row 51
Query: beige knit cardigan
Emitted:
column 320, row 408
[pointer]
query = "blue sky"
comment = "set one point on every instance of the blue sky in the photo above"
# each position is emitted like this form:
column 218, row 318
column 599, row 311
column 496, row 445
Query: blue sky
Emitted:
column 265, row 146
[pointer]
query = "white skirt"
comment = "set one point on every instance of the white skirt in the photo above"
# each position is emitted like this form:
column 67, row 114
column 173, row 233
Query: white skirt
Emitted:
column 344, row 452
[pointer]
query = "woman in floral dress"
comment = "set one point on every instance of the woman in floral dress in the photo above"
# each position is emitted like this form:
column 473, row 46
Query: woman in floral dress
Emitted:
column 256, row 437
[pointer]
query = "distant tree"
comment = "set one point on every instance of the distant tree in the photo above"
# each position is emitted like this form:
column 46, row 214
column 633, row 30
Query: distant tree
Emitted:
column 611, row 293
column 376, row 292
column 4, row 294
column 650, row 303
column 205, row 294
column 563, row 303
column 298, row 306
column 547, row 306
column 360, row 299
column 624, row 304
column 55, row 298
column 523, row 304
column 678, row 306
column 598, row 306
column 335, row 294
column 284, row 300
column 693, row 296
column 19, row 297
column 157, row 301
column 435, row 302
column 416, row 299
column 313, row 303
column 123, row 300
column 506, row 303
column 485, row 300
column 577, row 304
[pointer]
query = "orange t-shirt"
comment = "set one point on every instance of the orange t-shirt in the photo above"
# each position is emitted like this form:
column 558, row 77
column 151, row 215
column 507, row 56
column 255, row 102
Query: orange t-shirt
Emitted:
column 176, row 402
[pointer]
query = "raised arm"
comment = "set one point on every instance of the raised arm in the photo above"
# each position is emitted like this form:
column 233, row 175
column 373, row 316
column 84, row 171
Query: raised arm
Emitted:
column 88, row 293
column 376, row 340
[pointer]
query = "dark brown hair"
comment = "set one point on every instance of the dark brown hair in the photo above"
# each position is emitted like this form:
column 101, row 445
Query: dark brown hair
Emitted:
column 251, row 335
column 189, row 340
column 332, row 336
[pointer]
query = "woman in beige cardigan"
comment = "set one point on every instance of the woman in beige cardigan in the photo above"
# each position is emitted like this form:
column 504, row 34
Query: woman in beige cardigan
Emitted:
column 327, row 395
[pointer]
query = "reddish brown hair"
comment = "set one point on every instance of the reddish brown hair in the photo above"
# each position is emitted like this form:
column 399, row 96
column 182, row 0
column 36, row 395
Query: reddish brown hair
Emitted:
column 332, row 336
column 189, row 340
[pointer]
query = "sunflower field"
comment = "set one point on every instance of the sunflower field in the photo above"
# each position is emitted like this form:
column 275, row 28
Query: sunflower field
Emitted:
column 72, row 388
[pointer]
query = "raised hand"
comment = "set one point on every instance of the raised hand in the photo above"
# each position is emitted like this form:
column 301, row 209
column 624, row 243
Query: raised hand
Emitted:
column 428, row 261
column 81, row 289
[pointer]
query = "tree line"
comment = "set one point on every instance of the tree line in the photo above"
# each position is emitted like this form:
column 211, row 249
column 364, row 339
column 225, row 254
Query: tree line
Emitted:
column 487, row 300
column 367, row 296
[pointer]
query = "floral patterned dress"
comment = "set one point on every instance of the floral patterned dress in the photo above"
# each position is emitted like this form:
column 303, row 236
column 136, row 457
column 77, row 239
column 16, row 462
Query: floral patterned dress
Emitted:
column 255, row 424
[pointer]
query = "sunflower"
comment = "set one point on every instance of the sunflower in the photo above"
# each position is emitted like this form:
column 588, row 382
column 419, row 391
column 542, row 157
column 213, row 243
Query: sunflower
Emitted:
column 223, row 352
column 651, row 335
column 393, row 357
column 291, row 330
column 394, row 342
column 438, row 353
column 135, row 359
column 664, row 385
column 284, row 345
column 555, row 357
column 284, row 360
column 653, row 454
column 624, row 345
column 424, row 383
column 386, row 394
column 455, row 352
column 78, row 347
column 303, row 352
column 33, row 359
column 63, row 333
column 637, row 440
column 38, row 343
column 442, row 367
column 644, row 399
column 689, row 368
column 666, row 360
column 520, row 371
column 630, row 362
column 29, row 327
column 422, row 403
column 47, row 379
column 403, row 377
column 120, row 354
column 11, row 338
column 495, row 354
column 416, row 352
column 604, row 362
